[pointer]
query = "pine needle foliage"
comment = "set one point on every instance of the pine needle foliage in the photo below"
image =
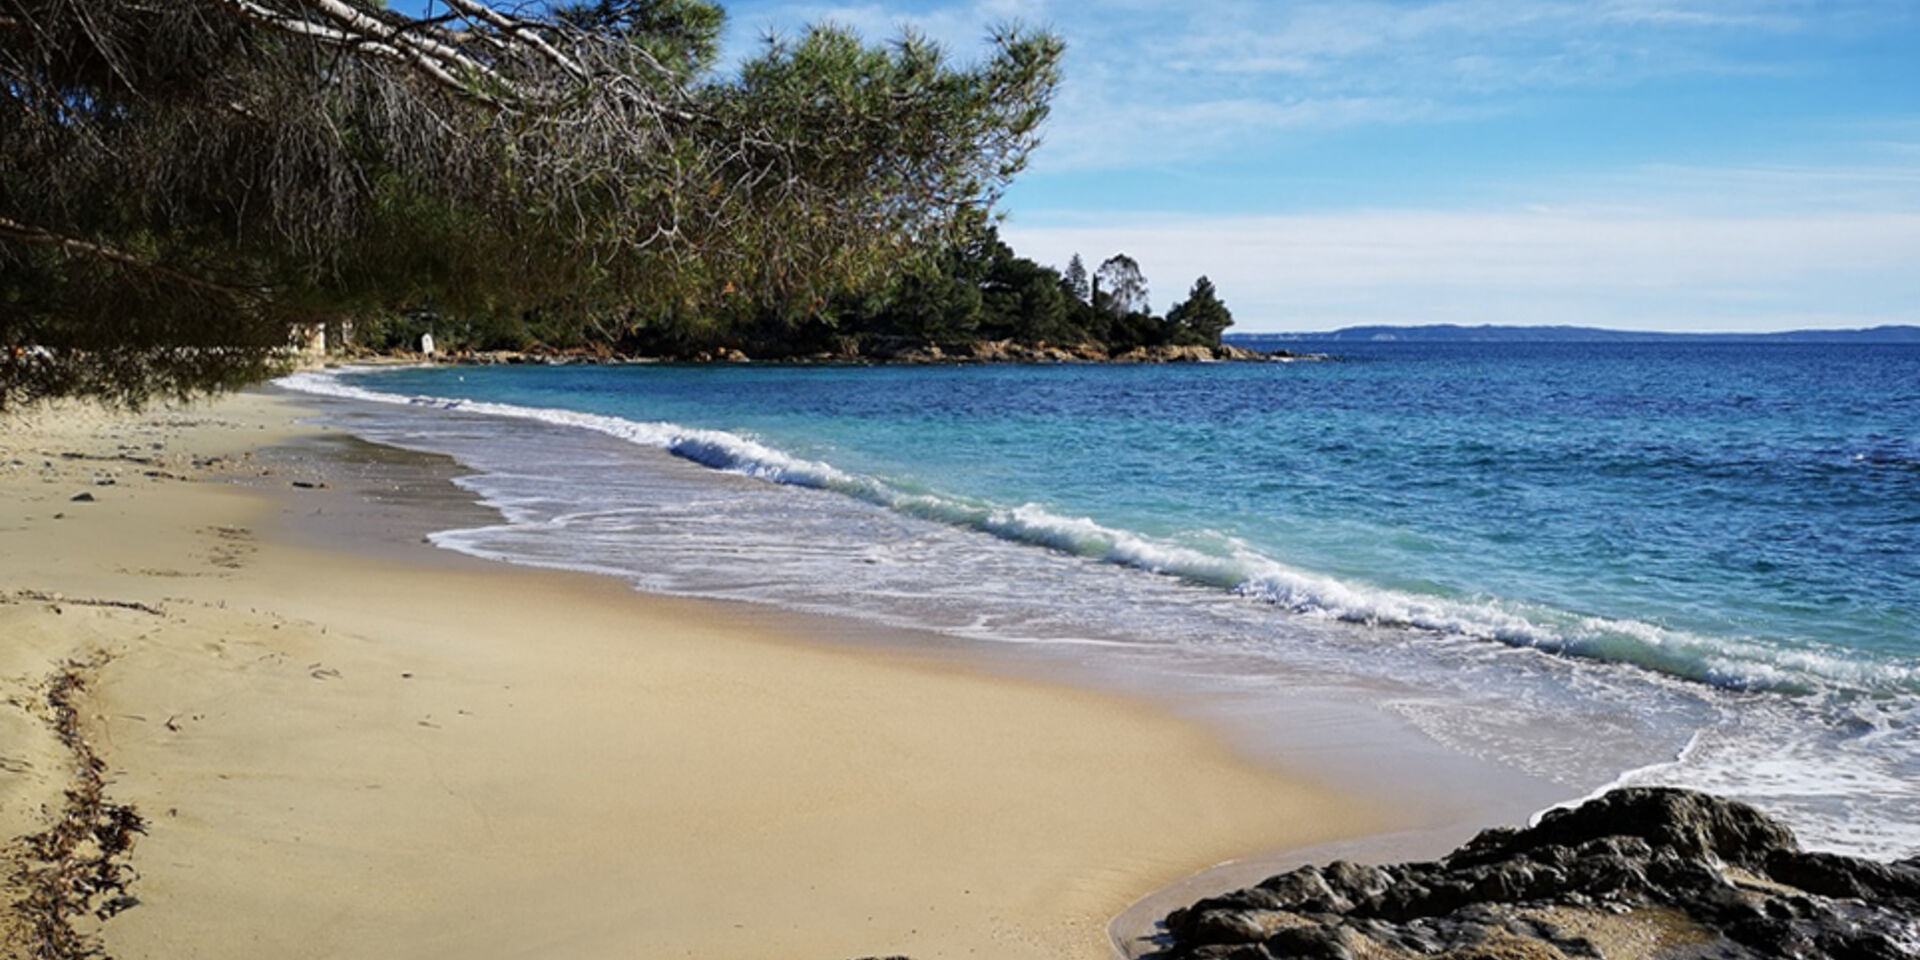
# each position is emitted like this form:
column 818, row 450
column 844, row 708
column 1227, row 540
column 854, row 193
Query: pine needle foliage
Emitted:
column 183, row 183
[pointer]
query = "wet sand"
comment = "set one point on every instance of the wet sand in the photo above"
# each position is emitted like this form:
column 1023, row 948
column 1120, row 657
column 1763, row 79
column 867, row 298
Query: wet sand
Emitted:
column 349, row 744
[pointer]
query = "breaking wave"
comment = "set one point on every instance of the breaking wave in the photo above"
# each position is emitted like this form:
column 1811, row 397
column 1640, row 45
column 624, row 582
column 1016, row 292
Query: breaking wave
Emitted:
column 1229, row 565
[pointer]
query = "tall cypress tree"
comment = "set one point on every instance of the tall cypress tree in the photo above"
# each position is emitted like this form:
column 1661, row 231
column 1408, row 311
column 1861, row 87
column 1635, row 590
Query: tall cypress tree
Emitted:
column 1075, row 280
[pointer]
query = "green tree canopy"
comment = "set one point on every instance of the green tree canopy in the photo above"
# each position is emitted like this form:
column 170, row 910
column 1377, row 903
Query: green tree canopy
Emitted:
column 1202, row 316
column 181, row 182
column 1075, row 280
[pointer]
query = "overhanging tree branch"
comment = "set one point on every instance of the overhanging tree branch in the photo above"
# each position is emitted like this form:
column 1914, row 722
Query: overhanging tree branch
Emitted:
column 520, row 30
column 21, row 233
column 332, row 158
column 362, row 33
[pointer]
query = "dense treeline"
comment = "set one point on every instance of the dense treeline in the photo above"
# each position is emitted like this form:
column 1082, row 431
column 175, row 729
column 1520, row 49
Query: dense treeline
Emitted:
column 983, row 291
column 972, row 291
column 184, row 183
column 185, row 186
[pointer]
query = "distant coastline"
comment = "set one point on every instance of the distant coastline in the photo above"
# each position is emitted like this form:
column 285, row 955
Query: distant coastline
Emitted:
column 1489, row 333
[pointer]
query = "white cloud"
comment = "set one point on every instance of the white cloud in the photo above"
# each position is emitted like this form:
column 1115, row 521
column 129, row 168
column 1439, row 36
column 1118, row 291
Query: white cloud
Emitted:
column 1092, row 134
column 1890, row 186
column 1165, row 87
column 1630, row 271
column 1174, row 72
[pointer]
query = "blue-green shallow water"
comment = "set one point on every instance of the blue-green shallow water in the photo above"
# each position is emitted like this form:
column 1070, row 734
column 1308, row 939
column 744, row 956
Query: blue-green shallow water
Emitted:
column 1723, row 539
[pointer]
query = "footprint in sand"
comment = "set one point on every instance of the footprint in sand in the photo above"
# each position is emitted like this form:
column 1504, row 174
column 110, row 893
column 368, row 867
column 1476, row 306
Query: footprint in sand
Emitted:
column 232, row 546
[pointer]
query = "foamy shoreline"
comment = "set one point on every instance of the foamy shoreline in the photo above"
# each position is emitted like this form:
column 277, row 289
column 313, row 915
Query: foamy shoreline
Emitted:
column 753, row 486
column 350, row 754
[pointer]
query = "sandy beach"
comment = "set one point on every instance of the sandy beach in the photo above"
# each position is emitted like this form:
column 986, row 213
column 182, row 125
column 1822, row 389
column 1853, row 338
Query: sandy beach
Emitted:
column 355, row 746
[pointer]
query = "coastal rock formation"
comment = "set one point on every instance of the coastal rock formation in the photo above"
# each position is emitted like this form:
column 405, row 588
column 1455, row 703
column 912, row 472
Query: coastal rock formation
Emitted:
column 1639, row 872
column 894, row 351
column 980, row 351
column 1169, row 353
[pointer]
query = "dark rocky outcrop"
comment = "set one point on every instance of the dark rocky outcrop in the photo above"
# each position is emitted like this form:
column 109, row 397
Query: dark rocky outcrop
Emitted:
column 1639, row 872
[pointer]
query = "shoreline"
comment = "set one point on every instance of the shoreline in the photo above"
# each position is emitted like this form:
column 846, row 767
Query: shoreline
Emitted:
column 1350, row 746
column 1338, row 732
column 229, row 729
column 670, row 489
column 980, row 352
column 1340, row 738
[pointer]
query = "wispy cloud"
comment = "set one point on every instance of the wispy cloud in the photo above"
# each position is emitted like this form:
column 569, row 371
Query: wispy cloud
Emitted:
column 1890, row 186
column 1460, row 39
column 1642, row 268
column 1822, row 230
column 1150, row 81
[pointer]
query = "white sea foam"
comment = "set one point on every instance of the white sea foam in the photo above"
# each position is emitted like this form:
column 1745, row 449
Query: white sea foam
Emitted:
column 1832, row 764
column 1729, row 662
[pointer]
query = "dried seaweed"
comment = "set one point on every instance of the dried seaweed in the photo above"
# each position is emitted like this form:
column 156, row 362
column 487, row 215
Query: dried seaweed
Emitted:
column 77, row 866
column 55, row 598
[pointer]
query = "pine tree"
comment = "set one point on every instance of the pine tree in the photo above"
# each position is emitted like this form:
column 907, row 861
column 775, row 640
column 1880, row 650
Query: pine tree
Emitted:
column 1202, row 317
column 1075, row 280
column 183, row 183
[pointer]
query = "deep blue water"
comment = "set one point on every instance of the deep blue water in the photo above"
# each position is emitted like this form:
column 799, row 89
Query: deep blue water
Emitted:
column 1742, row 520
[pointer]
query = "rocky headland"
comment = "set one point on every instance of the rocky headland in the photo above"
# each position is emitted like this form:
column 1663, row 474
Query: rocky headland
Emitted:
column 1637, row 873
column 880, row 352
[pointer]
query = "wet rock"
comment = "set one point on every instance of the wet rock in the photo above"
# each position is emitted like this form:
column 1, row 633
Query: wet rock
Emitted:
column 1688, row 823
column 1219, row 926
column 1830, row 875
column 1305, row 890
column 1332, row 943
column 1653, row 857
column 1357, row 881
column 1238, row 951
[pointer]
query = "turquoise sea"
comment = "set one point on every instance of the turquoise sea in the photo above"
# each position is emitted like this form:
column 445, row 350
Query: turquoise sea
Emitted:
column 1691, row 563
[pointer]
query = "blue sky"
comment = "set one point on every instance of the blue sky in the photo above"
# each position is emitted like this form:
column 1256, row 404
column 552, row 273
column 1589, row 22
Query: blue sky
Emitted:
column 1642, row 164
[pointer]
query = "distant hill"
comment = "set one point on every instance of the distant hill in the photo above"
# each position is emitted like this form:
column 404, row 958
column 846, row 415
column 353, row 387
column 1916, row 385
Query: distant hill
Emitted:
column 1454, row 333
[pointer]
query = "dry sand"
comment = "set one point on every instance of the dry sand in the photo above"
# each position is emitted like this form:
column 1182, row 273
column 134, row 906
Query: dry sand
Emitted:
column 344, row 754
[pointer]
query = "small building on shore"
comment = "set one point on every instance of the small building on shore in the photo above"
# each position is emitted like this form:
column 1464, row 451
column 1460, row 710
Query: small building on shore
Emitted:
column 309, row 339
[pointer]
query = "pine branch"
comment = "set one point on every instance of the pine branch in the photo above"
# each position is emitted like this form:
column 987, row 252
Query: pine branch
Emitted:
column 21, row 233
